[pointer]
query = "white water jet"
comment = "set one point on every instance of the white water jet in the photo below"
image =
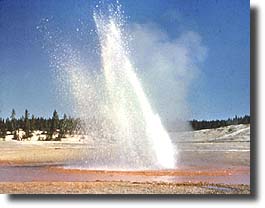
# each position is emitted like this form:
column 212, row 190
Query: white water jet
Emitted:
column 117, row 117
column 127, row 96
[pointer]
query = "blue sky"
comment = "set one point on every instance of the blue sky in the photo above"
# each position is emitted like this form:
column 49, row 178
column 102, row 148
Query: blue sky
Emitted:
column 222, row 89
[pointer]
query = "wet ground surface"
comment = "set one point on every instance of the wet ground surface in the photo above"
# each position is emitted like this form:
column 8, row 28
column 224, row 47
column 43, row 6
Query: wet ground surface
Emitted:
column 121, row 187
column 212, row 167
column 217, row 163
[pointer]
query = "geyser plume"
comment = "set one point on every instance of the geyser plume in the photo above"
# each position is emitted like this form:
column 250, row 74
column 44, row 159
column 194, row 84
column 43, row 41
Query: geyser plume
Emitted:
column 117, row 118
column 130, row 106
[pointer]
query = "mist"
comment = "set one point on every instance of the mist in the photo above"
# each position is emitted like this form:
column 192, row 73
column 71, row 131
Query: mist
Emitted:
column 167, row 68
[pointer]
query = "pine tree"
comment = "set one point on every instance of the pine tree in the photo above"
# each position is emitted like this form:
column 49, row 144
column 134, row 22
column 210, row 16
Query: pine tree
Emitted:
column 27, row 124
column 63, row 127
column 54, row 123
column 2, row 129
column 33, row 123
column 13, row 121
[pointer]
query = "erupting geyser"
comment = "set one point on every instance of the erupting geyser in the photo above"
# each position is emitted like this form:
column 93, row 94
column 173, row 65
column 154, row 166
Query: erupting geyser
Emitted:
column 127, row 99
column 113, row 106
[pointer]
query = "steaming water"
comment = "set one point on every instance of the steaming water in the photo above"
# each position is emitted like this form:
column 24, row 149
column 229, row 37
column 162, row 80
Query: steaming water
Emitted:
column 116, row 114
column 132, row 112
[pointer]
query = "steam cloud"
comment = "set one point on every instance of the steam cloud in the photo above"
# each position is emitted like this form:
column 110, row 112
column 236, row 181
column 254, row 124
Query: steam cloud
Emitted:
column 167, row 67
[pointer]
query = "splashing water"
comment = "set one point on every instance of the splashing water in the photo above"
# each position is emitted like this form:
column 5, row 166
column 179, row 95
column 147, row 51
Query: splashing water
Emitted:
column 126, row 92
column 126, row 132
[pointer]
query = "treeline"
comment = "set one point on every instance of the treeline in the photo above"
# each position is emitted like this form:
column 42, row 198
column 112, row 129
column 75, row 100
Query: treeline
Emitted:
column 49, row 126
column 55, row 128
column 203, row 124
